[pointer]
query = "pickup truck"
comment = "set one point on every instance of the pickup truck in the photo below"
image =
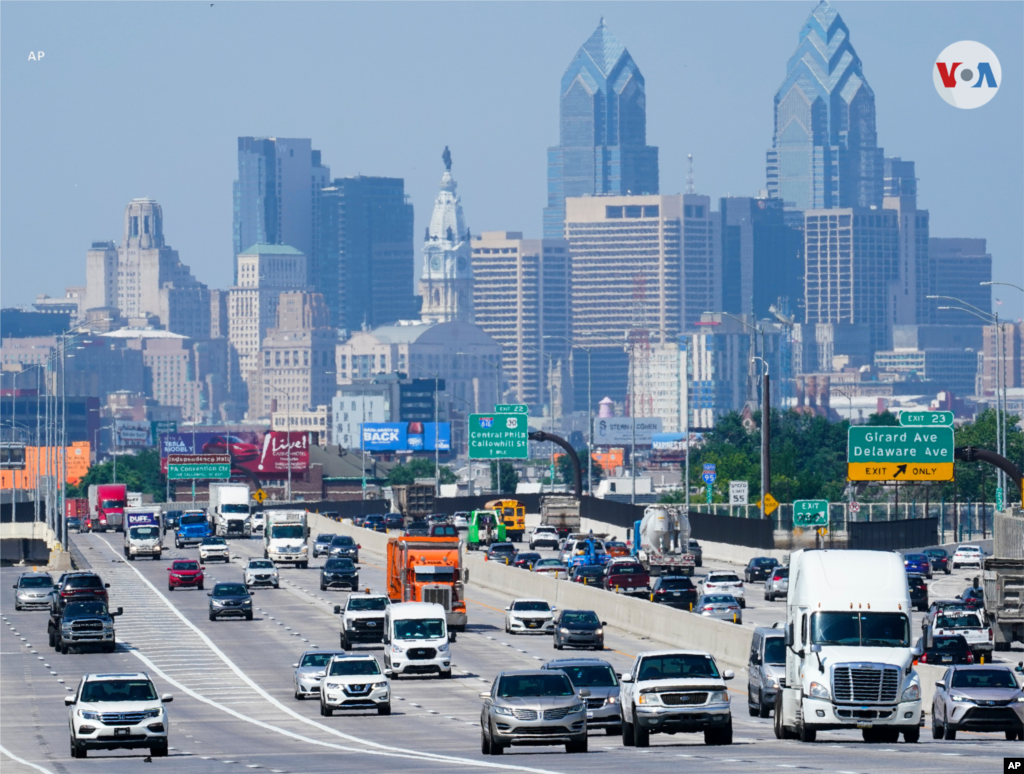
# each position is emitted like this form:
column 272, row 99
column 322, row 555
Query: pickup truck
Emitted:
column 362, row 618
column 970, row 625
column 627, row 576
column 85, row 623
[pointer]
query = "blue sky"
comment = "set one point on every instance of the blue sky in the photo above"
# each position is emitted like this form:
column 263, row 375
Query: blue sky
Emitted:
column 147, row 99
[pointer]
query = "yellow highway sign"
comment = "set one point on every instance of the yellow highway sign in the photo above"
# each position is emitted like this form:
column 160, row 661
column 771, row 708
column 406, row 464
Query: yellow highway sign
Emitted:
column 900, row 471
column 770, row 503
column 259, row 495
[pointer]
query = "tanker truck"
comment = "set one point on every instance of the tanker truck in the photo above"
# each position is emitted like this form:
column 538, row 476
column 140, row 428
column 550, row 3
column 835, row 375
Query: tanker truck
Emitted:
column 660, row 539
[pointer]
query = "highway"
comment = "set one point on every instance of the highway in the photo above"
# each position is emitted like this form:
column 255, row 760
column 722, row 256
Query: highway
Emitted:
column 234, row 709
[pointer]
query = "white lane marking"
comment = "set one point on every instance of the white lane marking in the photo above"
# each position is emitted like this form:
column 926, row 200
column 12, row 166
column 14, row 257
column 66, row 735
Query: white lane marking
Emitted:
column 22, row 761
column 376, row 748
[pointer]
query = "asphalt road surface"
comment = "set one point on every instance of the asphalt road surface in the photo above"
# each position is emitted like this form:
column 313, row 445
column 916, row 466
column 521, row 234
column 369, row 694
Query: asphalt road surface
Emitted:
column 234, row 708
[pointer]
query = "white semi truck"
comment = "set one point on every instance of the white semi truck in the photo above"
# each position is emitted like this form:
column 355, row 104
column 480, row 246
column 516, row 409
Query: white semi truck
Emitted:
column 143, row 532
column 229, row 510
column 284, row 539
column 849, row 658
column 661, row 541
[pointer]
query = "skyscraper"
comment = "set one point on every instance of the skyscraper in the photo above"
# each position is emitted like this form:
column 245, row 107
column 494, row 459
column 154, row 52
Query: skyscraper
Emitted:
column 276, row 196
column 602, row 145
column 364, row 265
column 958, row 267
column 446, row 283
column 825, row 150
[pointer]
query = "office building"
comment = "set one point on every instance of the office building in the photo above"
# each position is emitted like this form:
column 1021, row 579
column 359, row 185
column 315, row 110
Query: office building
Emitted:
column 276, row 195
column 909, row 303
column 364, row 264
column 264, row 271
column 701, row 259
column 958, row 267
column 314, row 420
column 296, row 359
column 626, row 265
column 602, row 147
column 947, row 369
column 354, row 405
column 762, row 257
column 1009, row 349
column 825, row 150
column 851, row 257
column 446, row 284
column 520, row 297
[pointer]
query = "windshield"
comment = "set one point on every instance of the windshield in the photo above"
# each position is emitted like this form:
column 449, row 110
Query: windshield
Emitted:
column 775, row 651
column 38, row 582
column 144, row 533
column 289, row 531
column 192, row 518
column 764, row 562
column 342, row 541
column 677, row 666
column 316, row 659
column 884, row 630
column 118, row 690
column 214, row 541
column 954, row 620
column 938, row 553
column 419, row 629
column 781, row 572
column 435, row 574
column 673, row 584
column 83, row 582
column 532, row 605
column 580, row 619
column 367, row 603
column 324, row 538
column 234, row 508
column 548, row 563
column 112, row 504
column 85, row 608
column 949, row 644
column 589, row 569
column 983, row 678
column 339, row 564
column 555, row 684
column 229, row 590
column 355, row 666
column 185, row 566
column 590, row 676
column 626, row 569
column 915, row 558
column 719, row 599
column 261, row 564
column 723, row 578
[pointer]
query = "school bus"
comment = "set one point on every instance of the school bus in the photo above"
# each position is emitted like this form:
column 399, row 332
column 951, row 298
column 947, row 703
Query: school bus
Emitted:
column 513, row 515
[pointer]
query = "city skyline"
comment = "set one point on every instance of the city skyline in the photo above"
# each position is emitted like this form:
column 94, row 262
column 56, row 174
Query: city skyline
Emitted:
column 502, row 170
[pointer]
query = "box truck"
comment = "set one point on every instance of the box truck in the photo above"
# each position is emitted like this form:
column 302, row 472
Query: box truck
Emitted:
column 229, row 509
column 143, row 532
column 284, row 539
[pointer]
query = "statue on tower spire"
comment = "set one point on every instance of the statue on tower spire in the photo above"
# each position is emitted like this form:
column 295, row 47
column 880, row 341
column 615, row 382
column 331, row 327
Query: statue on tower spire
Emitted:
column 446, row 157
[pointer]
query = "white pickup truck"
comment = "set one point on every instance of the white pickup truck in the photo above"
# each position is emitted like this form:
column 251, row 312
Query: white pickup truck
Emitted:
column 970, row 625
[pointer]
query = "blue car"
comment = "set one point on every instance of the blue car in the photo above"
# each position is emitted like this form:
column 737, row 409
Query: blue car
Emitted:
column 918, row 564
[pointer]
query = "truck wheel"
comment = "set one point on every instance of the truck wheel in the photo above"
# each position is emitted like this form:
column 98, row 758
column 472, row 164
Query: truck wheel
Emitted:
column 763, row 710
column 641, row 736
column 807, row 734
column 345, row 644
column 51, row 638
column 128, row 555
column 627, row 733
column 63, row 648
column 159, row 750
column 78, row 750
column 912, row 735
column 109, row 647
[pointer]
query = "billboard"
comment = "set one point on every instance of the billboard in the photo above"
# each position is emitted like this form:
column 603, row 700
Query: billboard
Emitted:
column 405, row 436
column 259, row 452
column 618, row 431
column 129, row 434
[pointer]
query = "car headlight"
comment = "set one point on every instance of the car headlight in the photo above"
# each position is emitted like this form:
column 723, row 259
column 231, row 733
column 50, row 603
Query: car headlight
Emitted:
column 649, row 698
column 577, row 708
column 774, row 683
column 819, row 691
column 717, row 697
column 599, row 632
column 396, row 649
column 332, row 685
column 216, row 603
column 88, row 715
column 957, row 697
column 612, row 700
column 1019, row 698
column 563, row 630
column 380, row 685
column 247, row 602
column 498, row 710
column 912, row 693
column 443, row 647
column 153, row 713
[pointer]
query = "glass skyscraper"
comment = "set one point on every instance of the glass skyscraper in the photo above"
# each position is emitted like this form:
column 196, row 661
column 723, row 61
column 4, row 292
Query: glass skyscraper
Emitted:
column 602, row 130
column 825, row 150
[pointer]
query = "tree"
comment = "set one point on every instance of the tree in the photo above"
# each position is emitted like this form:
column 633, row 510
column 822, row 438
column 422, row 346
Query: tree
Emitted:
column 563, row 466
column 509, row 477
column 976, row 481
column 885, row 419
column 419, row 467
column 140, row 472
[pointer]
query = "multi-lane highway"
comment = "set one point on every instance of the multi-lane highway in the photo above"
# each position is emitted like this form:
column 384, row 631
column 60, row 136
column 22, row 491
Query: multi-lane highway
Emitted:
column 234, row 709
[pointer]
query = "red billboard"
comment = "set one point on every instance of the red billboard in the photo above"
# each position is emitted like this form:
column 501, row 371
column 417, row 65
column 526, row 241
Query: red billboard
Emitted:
column 262, row 453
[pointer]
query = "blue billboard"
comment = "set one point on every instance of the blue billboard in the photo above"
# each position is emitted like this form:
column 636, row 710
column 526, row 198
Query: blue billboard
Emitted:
column 406, row 436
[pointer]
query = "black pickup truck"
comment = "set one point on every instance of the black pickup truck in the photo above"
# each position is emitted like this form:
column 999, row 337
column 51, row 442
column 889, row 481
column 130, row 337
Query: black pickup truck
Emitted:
column 80, row 624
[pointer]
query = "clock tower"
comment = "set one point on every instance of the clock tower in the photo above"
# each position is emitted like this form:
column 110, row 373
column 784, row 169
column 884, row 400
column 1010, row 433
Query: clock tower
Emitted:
column 446, row 284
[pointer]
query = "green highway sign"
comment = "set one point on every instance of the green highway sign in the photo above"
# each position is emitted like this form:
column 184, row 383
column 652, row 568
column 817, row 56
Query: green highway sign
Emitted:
column 181, row 472
column 511, row 408
column 926, row 418
column 877, row 453
column 810, row 513
column 999, row 498
column 498, row 436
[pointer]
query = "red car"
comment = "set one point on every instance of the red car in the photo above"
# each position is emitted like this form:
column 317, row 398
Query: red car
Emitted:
column 240, row 451
column 185, row 573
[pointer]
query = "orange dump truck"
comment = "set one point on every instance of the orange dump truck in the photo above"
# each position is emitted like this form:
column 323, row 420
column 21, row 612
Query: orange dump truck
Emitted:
column 428, row 569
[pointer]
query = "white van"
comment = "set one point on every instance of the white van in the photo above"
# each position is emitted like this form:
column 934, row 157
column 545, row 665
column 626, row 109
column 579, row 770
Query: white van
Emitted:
column 416, row 640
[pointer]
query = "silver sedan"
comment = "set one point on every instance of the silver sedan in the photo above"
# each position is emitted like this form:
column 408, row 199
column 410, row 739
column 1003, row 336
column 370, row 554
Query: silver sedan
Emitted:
column 978, row 697
column 533, row 708
column 309, row 670
column 723, row 607
column 33, row 589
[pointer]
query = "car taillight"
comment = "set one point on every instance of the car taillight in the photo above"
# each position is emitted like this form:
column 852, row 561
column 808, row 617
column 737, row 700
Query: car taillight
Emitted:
column 970, row 657
column 707, row 609
column 990, row 634
column 740, row 584
column 923, row 659
column 733, row 607
column 660, row 591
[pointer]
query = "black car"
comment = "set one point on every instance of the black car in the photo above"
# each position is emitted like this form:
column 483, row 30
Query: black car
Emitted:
column 918, row 591
column 339, row 572
column 586, row 574
column 394, row 520
column 171, row 520
column 759, row 568
column 343, row 547
column 375, row 521
column 418, row 528
column 501, row 552
column 83, row 624
column 359, row 519
column 694, row 548
column 230, row 600
column 74, row 523
column 946, row 649
column 525, row 560
column 579, row 629
column 78, row 586
column 939, row 559
column 674, row 591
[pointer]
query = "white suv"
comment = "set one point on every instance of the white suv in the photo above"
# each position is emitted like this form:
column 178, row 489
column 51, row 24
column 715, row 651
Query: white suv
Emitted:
column 972, row 555
column 529, row 615
column 261, row 572
column 354, row 682
column 122, row 710
column 213, row 548
column 724, row 582
column 544, row 536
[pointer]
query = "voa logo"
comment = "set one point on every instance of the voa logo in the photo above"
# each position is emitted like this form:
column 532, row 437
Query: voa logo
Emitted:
column 967, row 74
